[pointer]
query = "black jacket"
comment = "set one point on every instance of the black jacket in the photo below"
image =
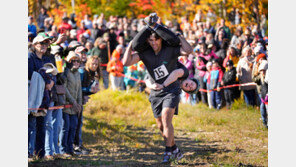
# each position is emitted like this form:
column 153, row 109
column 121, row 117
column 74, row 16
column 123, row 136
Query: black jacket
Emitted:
column 229, row 77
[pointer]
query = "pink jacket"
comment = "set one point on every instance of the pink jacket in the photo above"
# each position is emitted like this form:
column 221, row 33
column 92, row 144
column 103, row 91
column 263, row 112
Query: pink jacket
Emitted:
column 202, row 61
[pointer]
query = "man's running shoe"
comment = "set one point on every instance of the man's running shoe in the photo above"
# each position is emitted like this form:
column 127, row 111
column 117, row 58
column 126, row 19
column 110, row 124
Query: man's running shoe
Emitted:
column 166, row 157
column 177, row 154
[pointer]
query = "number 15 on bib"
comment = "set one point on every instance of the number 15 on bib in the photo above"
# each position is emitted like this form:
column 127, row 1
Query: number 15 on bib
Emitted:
column 160, row 72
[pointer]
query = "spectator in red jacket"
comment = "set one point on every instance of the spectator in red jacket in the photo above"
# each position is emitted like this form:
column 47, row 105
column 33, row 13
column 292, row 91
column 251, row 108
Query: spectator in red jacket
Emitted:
column 65, row 26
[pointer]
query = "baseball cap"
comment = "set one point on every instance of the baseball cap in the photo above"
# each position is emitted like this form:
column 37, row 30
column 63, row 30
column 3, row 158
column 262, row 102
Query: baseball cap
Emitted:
column 261, row 55
column 72, row 55
column 50, row 68
column 86, row 35
column 258, row 49
column 106, row 34
column 229, row 63
column 101, row 41
column 79, row 49
column 55, row 49
column 41, row 37
column 74, row 44
column 263, row 65
column 73, row 32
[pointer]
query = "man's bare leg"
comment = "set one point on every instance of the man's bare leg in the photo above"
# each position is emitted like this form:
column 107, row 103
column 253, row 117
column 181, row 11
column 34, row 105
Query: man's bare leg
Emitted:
column 160, row 127
column 168, row 129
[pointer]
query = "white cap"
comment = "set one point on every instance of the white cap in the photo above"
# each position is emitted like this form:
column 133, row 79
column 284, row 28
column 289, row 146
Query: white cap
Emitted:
column 72, row 55
column 50, row 68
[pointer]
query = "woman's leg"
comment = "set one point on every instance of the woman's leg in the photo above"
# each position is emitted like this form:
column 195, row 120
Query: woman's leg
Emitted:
column 72, row 129
column 65, row 134
column 49, row 132
column 40, row 136
column 31, row 134
column 57, row 117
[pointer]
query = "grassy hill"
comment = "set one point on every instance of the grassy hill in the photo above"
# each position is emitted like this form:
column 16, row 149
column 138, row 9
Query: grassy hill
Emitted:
column 120, row 129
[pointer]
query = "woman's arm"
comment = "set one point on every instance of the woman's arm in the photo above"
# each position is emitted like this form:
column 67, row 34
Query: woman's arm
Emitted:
column 150, row 84
column 186, row 48
column 166, row 34
column 69, row 97
column 139, row 42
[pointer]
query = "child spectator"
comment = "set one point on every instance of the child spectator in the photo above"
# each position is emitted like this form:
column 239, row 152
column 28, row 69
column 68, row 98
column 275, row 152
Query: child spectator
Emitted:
column 207, row 80
column 229, row 79
column 216, row 78
column 131, row 72
column 141, row 72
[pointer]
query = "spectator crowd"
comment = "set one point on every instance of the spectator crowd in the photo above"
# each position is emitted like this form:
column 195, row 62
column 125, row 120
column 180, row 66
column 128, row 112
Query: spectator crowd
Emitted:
column 67, row 61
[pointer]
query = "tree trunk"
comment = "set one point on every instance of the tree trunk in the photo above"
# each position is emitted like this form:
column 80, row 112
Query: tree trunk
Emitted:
column 256, row 5
column 224, row 9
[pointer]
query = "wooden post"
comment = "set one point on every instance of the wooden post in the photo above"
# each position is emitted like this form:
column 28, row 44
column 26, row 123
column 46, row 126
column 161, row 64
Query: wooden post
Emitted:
column 108, row 47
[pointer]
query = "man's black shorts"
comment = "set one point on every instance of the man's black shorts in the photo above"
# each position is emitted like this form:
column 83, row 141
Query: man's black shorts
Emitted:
column 167, row 98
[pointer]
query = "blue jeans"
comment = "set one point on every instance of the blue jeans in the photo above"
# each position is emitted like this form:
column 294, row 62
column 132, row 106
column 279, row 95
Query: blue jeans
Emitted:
column 57, row 120
column 78, row 134
column 48, row 131
column 249, row 96
column 68, row 132
column 263, row 113
column 105, row 79
column 31, row 134
column 36, row 135
column 216, row 99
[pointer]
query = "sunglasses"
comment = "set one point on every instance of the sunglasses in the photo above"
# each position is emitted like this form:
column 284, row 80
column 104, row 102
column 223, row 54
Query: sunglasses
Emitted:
column 77, row 61
column 83, row 52
column 44, row 43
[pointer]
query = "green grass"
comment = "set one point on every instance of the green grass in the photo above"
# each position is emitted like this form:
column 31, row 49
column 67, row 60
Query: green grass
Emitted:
column 120, row 129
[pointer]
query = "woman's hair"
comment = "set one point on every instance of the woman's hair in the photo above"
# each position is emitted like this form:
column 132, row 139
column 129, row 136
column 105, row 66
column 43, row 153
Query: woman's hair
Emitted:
column 196, row 89
column 88, row 64
column 98, row 41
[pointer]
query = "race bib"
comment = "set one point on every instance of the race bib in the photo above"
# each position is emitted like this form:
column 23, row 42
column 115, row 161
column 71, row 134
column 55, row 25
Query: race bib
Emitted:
column 160, row 72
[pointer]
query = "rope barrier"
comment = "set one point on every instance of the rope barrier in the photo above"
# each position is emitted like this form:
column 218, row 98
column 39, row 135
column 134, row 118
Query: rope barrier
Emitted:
column 53, row 108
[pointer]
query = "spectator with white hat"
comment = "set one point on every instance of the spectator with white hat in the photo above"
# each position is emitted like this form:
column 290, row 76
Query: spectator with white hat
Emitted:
column 260, row 80
column 244, row 75
column 36, row 125
column 73, row 35
column 81, row 52
column 74, row 98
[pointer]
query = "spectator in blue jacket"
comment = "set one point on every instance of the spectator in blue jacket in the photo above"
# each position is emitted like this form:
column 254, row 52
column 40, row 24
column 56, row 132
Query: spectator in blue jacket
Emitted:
column 36, row 125
column 215, row 82
column 32, row 30
column 130, row 72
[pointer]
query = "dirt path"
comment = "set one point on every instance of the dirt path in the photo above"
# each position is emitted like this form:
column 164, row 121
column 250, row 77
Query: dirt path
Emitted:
column 149, row 152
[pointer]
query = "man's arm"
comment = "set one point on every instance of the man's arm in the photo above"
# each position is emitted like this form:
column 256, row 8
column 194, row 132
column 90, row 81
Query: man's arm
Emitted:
column 129, row 58
column 174, row 75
